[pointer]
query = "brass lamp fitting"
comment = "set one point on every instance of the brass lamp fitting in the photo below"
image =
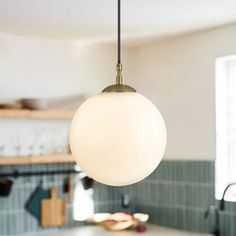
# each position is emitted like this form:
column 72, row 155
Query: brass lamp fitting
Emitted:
column 119, row 86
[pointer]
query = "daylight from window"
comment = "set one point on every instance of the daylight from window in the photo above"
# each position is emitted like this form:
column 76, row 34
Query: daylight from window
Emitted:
column 226, row 126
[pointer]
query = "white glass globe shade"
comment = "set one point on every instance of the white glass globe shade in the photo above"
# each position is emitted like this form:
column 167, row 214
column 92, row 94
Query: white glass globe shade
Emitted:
column 118, row 138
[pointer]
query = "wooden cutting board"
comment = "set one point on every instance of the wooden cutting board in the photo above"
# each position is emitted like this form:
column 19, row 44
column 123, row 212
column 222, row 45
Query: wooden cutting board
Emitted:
column 53, row 210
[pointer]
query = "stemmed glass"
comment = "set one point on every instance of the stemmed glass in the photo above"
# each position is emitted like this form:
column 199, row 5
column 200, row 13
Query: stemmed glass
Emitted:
column 17, row 145
column 31, row 145
column 41, row 144
column 62, row 142
column 2, row 146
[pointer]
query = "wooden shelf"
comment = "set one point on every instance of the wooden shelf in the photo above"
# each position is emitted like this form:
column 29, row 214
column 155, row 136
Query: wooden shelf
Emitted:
column 36, row 114
column 47, row 159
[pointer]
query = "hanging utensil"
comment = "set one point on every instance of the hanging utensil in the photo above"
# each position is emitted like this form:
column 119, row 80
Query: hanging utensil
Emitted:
column 53, row 210
column 5, row 187
column 33, row 203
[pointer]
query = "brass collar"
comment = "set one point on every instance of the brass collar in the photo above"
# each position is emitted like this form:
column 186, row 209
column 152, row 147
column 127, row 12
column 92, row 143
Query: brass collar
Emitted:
column 119, row 86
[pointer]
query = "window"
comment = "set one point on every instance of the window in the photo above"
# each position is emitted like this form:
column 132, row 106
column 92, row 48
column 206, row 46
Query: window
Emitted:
column 226, row 126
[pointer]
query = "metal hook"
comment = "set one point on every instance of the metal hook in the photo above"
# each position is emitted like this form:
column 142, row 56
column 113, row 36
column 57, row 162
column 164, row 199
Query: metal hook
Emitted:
column 16, row 174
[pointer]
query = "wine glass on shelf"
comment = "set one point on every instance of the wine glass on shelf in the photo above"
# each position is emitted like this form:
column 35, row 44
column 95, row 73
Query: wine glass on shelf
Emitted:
column 28, row 144
column 62, row 142
column 51, row 142
column 31, row 145
column 55, row 141
column 66, row 141
column 17, row 145
column 41, row 144
column 2, row 146
column 38, row 147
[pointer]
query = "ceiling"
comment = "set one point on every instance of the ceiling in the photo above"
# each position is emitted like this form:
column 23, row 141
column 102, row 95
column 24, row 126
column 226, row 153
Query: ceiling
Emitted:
column 95, row 20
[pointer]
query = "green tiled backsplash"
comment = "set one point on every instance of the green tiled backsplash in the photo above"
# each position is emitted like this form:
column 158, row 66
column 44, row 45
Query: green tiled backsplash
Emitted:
column 180, row 194
column 14, row 219
column 175, row 195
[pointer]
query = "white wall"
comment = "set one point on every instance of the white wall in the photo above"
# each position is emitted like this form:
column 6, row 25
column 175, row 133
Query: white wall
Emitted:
column 178, row 76
column 47, row 68
column 37, row 67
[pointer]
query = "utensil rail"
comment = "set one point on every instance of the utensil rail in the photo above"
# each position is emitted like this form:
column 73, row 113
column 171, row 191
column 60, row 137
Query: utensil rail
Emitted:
column 17, row 173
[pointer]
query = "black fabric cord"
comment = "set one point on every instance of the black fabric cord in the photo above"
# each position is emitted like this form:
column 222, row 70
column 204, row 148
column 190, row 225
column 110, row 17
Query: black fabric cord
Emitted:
column 119, row 33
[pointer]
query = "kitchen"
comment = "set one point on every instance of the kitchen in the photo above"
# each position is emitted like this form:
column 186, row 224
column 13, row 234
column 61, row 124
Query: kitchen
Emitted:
column 55, row 55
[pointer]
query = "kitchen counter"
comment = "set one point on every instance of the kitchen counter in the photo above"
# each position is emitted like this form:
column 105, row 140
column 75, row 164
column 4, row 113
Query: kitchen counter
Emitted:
column 152, row 230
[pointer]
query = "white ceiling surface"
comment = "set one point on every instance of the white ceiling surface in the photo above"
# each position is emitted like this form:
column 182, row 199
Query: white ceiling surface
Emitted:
column 95, row 20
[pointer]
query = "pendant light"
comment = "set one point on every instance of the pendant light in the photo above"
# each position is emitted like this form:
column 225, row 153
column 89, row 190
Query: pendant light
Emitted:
column 118, row 137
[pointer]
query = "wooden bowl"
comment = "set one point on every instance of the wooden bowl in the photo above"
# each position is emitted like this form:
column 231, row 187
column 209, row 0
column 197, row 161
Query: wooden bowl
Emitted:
column 141, row 217
column 98, row 218
column 117, row 226
column 34, row 103
column 15, row 105
column 118, row 221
